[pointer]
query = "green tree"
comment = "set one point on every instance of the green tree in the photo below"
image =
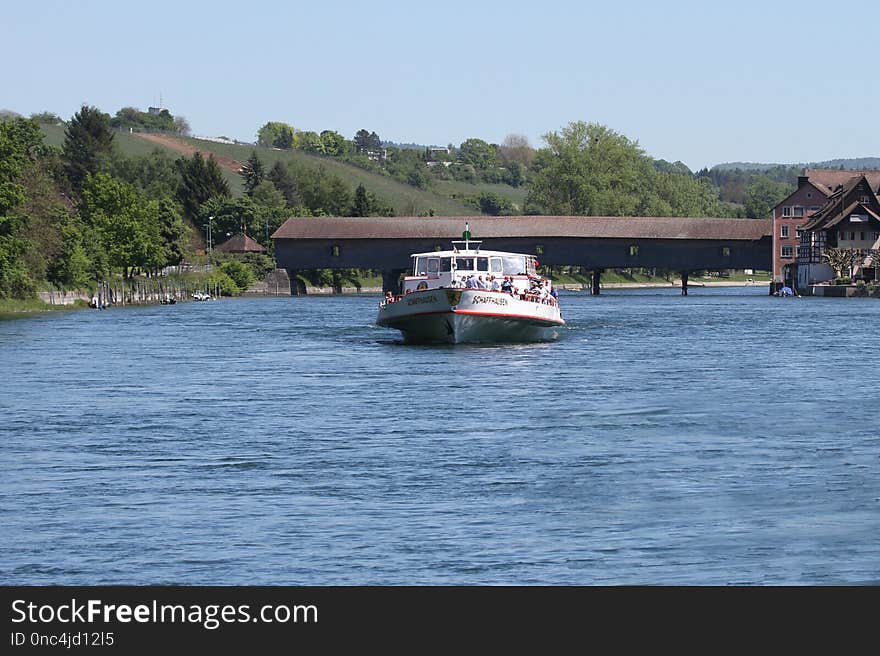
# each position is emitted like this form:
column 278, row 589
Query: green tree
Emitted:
column 361, row 206
column 253, row 173
column 126, row 224
column 333, row 143
column 589, row 169
column 479, row 154
column 201, row 180
column 130, row 117
column 285, row 183
column 72, row 268
column 155, row 174
column 364, row 141
column 368, row 204
column 763, row 195
column 322, row 192
column 88, row 144
column 48, row 118
column 495, row 205
column 233, row 216
column 21, row 144
column 310, row 142
column 240, row 273
column 276, row 134
column 266, row 195
column 586, row 169
column 173, row 231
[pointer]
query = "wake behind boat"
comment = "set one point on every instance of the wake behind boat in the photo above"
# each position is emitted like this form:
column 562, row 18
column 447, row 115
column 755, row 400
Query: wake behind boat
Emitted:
column 472, row 295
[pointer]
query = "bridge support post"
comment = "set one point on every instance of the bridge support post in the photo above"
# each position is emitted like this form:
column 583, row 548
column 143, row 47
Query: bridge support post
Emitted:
column 391, row 280
column 337, row 282
column 684, row 283
column 595, row 279
column 297, row 288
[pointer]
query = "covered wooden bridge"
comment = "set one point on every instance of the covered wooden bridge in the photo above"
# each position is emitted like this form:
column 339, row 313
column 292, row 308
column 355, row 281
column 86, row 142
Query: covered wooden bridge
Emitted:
column 593, row 242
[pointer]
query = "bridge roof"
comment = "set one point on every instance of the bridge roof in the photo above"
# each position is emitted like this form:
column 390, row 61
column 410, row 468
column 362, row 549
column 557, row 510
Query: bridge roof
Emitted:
column 483, row 227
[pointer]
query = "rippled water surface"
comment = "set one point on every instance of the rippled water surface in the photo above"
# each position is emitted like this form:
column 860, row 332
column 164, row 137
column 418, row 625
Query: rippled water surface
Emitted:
column 726, row 437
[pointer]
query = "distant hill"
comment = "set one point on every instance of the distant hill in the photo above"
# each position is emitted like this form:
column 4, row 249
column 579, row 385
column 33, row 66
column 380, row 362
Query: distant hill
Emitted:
column 855, row 163
column 446, row 198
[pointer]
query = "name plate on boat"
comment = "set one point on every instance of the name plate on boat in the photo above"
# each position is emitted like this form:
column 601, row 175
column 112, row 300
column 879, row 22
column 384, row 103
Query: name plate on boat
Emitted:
column 493, row 300
column 421, row 299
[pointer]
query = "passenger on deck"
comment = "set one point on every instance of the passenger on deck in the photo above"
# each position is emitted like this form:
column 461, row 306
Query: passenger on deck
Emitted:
column 389, row 297
column 470, row 282
column 494, row 285
column 507, row 285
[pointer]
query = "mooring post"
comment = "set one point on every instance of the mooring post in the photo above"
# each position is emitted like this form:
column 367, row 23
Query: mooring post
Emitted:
column 595, row 278
column 684, row 283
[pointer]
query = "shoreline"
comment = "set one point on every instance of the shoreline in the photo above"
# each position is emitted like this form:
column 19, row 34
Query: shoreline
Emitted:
column 569, row 287
column 662, row 285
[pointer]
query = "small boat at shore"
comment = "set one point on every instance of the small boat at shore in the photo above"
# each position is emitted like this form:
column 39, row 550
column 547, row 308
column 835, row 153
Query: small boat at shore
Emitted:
column 467, row 294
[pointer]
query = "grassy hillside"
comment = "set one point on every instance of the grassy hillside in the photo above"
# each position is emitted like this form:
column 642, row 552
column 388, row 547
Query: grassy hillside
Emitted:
column 445, row 198
column 406, row 200
column 135, row 146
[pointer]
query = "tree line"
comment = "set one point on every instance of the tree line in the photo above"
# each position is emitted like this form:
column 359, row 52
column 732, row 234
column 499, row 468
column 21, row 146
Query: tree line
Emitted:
column 601, row 171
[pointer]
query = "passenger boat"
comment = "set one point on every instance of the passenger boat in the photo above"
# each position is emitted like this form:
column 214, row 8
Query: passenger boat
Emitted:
column 452, row 297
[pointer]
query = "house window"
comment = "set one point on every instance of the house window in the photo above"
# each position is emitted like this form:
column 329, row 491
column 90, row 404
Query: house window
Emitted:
column 438, row 247
column 809, row 194
column 539, row 250
column 798, row 211
column 786, row 211
column 787, row 252
column 814, row 208
column 784, row 232
column 862, row 236
column 725, row 251
column 864, row 199
column 633, row 251
column 334, row 251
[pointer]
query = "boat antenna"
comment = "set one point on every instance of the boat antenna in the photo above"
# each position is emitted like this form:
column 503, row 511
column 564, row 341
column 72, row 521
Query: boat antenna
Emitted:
column 466, row 235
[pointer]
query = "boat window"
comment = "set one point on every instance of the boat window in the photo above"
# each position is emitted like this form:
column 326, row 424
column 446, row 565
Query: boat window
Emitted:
column 514, row 265
column 530, row 266
column 464, row 263
column 446, row 264
column 495, row 265
column 482, row 264
column 421, row 266
column 433, row 266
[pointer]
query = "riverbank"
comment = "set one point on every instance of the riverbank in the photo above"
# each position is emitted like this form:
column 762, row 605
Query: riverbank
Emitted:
column 15, row 307
column 663, row 285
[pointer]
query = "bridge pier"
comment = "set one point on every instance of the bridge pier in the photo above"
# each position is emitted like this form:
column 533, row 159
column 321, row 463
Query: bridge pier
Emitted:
column 595, row 279
column 297, row 288
column 684, row 283
column 337, row 282
column 391, row 280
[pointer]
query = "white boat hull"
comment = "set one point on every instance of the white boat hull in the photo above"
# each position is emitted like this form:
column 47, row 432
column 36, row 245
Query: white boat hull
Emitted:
column 456, row 316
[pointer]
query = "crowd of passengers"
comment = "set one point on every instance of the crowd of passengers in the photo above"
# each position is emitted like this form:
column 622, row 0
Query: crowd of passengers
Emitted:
column 539, row 290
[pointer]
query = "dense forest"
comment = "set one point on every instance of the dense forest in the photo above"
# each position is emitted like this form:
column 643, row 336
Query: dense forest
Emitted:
column 81, row 213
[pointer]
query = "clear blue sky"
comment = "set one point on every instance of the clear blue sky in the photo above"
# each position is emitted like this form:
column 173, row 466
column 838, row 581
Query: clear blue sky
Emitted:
column 701, row 82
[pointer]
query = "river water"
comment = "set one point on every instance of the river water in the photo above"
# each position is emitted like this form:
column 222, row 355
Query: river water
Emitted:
column 727, row 437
